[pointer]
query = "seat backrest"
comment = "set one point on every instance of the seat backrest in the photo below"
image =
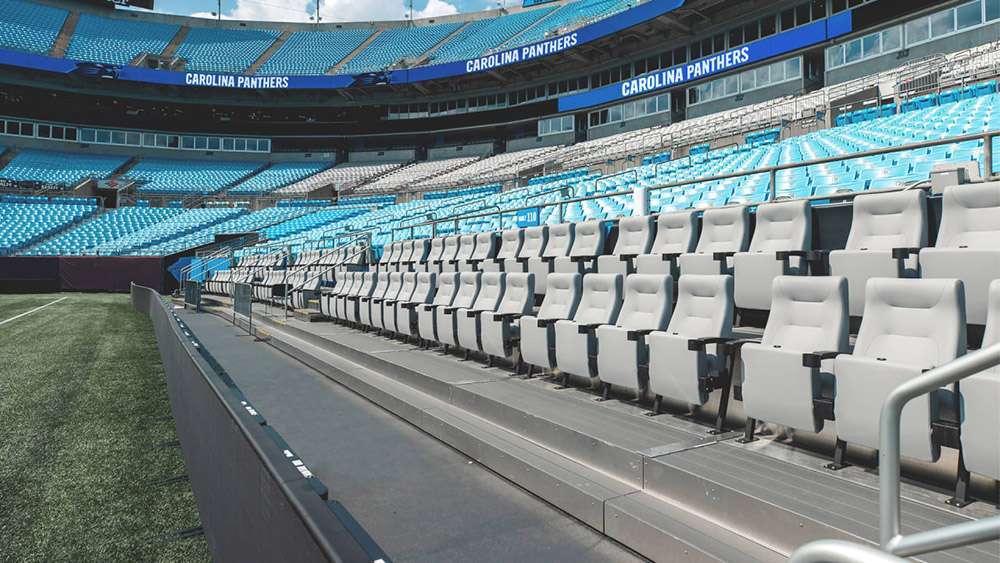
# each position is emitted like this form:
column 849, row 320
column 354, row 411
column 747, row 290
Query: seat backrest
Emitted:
column 510, row 243
column 724, row 229
column 395, row 284
column 601, row 299
column 389, row 253
column 970, row 217
column 423, row 292
column 409, row 284
column 518, row 295
column 406, row 253
column 786, row 225
column 917, row 322
column 437, row 247
column 450, row 248
column 420, row 247
column 485, row 246
column 560, row 240
column 589, row 239
column 346, row 284
column 704, row 306
column 808, row 314
column 466, row 247
column 647, row 302
column 468, row 289
column 447, row 287
column 562, row 296
column 991, row 334
column 491, row 289
column 381, row 285
column 366, row 286
column 535, row 241
column 635, row 235
column 889, row 220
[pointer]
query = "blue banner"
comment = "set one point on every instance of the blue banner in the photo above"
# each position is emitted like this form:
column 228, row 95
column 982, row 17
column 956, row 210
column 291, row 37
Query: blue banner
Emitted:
column 607, row 26
column 760, row 50
column 530, row 217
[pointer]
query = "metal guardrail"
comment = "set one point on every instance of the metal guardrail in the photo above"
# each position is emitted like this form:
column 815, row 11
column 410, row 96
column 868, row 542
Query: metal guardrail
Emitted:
column 771, row 171
column 893, row 543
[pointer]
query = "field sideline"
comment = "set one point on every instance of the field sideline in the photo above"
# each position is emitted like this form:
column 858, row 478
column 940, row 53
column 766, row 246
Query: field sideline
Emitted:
column 83, row 406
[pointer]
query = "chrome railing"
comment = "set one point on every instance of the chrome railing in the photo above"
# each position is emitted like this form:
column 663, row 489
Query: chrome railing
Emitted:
column 892, row 542
column 771, row 171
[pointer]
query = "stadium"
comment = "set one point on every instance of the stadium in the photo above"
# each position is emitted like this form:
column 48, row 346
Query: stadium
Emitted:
column 566, row 280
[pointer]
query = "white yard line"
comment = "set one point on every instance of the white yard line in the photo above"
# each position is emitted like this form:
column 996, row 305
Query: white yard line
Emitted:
column 26, row 313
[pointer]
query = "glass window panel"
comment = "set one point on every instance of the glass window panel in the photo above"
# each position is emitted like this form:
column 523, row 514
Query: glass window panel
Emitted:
column 968, row 15
column 240, row 144
column 942, row 23
column 777, row 72
column 88, row 135
column 44, row 131
column 892, row 39
column 732, row 85
column 200, row 142
column 629, row 112
column 264, row 145
column 71, row 133
column 736, row 36
column 835, row 56
column 852, row 51
column 818, row 9
column 57, row 132
column 187, row 142
column 793, row 68
column 663, row 102
column 103, row 136
column 787, row 19
column 992, row 10
column 132, row 138
column 763, row 76
column 748, row 80
column 871, row 45
column 768, row 26
column 751, row 31
column 802, row 14
column 615, row 113
column 917, row 31
column 692, row 96
column 118, row 137
column 214, row 143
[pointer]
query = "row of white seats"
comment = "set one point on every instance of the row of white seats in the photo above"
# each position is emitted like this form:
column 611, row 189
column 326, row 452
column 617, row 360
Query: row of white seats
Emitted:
column 888, row 238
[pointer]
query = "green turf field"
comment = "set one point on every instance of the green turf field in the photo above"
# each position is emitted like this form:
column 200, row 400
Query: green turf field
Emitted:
column 82, row 405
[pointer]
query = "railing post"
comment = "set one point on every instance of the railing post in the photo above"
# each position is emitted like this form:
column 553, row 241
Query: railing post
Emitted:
column 988, row 154
column 772, row 188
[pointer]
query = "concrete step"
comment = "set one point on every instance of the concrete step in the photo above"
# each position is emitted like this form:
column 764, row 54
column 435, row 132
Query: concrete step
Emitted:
column 61, row 43
column 271, row 50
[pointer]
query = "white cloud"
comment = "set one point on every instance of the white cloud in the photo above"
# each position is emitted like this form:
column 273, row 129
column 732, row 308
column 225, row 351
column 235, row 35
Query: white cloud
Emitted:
column 436, row 8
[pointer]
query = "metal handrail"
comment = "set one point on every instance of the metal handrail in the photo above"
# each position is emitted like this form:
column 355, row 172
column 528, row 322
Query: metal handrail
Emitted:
column 889, row 465
column 986, row 137
column 893, row 543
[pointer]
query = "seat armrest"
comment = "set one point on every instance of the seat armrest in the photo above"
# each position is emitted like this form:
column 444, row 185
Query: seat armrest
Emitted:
column 786, row 254
column 817, row 255
column 588, row 329
column 450, row 309
column 670, row 256
column 733, row 346
column 545, row 322
column 409, row 305
column 697, row 344
column 471, row 314
column 814, row 359
column 720, row 256
column 580, row 258
column 428, row 306
column 524, row 259
column 635, row 335
column 903, row 253
column 503, row 316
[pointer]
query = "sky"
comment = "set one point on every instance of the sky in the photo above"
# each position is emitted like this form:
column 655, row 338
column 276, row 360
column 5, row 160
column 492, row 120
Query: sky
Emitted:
column 330, row 10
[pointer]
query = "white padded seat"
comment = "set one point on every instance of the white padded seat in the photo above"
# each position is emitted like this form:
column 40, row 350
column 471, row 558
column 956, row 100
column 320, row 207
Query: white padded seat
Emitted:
column 364, row 303
column 576, row 342
column 538, row 331
column 485, row 249
column 406, row 312
column 449, row 254
column 447, row 288
column 704, row 310
column 390, row 304
column 808, row 315
column 635, row 237
column 881, row 225
column 588, row 244
column 622, row 353
column 510, row 244
column 980, row 401
column 675, row 235
column 498, row 330
column 782, row 227
column 534, row 241
column 469, row 284
column 346, row 304
column 968, row 244
column 492, row 286
column 909, row 326
column 466, row 248
column 558, row 243
column 724, row 230
column 433, row 261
